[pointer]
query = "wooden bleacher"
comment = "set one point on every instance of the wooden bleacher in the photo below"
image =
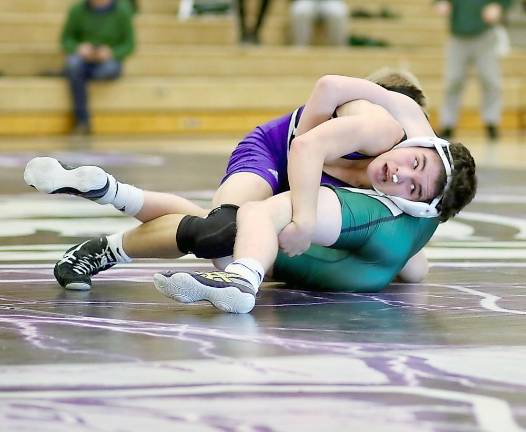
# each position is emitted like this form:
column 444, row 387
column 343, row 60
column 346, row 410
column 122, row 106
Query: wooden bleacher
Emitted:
column 192, row 76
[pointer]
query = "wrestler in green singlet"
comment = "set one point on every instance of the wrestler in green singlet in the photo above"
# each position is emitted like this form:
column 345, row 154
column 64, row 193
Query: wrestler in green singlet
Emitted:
column 376, row 241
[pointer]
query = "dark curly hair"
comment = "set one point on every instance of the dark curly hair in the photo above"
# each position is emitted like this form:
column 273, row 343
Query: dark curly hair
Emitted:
column 463, row 184
column 463, row 180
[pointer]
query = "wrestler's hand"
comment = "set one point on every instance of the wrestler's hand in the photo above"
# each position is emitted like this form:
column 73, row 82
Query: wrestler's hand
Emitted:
column 295, row 239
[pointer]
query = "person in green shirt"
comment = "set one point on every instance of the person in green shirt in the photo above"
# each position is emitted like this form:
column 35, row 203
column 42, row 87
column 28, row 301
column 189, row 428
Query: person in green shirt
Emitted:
column 474, row 40
column 97, row 36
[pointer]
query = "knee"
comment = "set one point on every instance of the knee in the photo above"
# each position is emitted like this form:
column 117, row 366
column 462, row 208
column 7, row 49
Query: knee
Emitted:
column 249, row 209
column 210, row 237
column 415, row 270
column 110, row 70
column 262, row 211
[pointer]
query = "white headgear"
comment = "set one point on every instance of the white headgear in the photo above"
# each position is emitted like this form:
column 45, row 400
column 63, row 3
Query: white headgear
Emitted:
column 417, row 208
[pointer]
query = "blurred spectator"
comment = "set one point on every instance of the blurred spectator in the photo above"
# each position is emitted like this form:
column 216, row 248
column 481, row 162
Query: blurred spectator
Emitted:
column 305, row 13
column 474, row 40
column 97, row 36
column 246, row 34
column 133, row 5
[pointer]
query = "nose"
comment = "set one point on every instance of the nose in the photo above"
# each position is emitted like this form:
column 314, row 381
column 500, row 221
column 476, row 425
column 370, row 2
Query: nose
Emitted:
column 399, row 175
column 403, row 175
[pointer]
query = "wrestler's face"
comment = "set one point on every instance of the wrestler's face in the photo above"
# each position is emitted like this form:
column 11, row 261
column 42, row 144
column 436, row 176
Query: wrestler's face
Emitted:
column 408, row 172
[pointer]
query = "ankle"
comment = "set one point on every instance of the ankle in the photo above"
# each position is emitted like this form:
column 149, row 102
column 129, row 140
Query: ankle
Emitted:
column 115, row 244
column 124, row 197
column 249, row 269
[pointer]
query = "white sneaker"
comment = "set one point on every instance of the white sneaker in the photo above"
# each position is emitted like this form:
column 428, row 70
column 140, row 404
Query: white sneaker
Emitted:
column 226, row 291
column 50, row 176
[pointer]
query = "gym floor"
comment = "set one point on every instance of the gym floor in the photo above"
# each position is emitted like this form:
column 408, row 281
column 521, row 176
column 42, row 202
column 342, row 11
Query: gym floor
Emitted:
column 444, row 355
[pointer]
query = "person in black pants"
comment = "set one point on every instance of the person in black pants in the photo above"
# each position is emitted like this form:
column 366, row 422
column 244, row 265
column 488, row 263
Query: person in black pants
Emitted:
column 246, row 34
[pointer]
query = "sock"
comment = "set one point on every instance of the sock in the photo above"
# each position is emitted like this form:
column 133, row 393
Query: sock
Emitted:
column 115, row 244
column 222, row 263
column 124, row 197
column 249, row 269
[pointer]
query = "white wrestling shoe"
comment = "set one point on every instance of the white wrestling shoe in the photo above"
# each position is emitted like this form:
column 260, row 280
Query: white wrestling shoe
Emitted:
column 226, row 291
column 48, row 175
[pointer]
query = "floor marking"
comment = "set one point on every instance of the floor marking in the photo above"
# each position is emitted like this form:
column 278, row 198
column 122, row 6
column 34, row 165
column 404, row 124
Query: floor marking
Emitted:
column 489, row 301
column 517, row 223
column 474, row 253
column 181, row 262
column 492, row 414
column 477, row 264
column 499, row 199
column 472, row 244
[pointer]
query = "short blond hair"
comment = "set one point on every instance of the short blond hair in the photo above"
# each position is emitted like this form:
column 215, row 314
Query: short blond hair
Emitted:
column 401, row 81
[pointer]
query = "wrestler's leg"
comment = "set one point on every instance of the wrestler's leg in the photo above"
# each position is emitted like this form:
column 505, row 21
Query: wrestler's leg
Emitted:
column 157, row 236
column 168, row 236
column 50, row 176
column 238, row 189
column 152, row 239
column 242, row 187
column 259, row 224
column 158, row 204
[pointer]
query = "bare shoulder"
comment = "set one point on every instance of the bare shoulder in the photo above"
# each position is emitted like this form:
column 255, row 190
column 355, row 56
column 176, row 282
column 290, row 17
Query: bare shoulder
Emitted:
column 410, row 115
column 379, row 129
column 358, row 107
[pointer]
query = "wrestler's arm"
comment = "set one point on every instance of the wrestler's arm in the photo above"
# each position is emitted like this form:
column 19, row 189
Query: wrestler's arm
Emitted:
column 333, row 91
column 372, row 132
column 363, row 259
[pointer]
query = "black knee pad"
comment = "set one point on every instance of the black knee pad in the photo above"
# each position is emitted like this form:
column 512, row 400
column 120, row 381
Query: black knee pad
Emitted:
column 210, row 237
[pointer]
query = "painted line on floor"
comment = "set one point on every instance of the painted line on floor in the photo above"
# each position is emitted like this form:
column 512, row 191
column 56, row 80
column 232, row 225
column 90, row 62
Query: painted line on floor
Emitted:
column 488, row 301
column 492, row 414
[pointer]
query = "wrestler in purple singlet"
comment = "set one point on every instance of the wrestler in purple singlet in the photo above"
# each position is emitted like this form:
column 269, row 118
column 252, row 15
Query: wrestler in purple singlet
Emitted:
column 264, row 152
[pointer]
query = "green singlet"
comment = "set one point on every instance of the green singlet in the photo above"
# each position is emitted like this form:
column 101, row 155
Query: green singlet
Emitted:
column 375, row 243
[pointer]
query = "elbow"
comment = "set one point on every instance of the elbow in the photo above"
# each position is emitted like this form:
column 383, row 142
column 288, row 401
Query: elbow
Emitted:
column 328, row 85
column 299, row 146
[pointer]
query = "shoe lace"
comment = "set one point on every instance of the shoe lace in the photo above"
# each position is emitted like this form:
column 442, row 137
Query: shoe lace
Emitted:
column 90, row 264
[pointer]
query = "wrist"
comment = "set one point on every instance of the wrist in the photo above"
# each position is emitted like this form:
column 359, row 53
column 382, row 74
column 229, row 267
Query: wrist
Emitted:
column 305, row 223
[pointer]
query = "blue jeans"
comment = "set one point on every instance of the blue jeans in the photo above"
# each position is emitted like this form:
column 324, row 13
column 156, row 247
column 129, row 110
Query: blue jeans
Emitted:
column 78, row 72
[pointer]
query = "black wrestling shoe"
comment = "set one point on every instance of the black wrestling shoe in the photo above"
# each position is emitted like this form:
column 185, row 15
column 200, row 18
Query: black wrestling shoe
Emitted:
column 82, row 261
column 50, row 176
column 228, row 292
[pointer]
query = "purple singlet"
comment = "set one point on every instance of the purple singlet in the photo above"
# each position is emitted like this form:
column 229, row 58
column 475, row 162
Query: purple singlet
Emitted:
column 264, row 152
